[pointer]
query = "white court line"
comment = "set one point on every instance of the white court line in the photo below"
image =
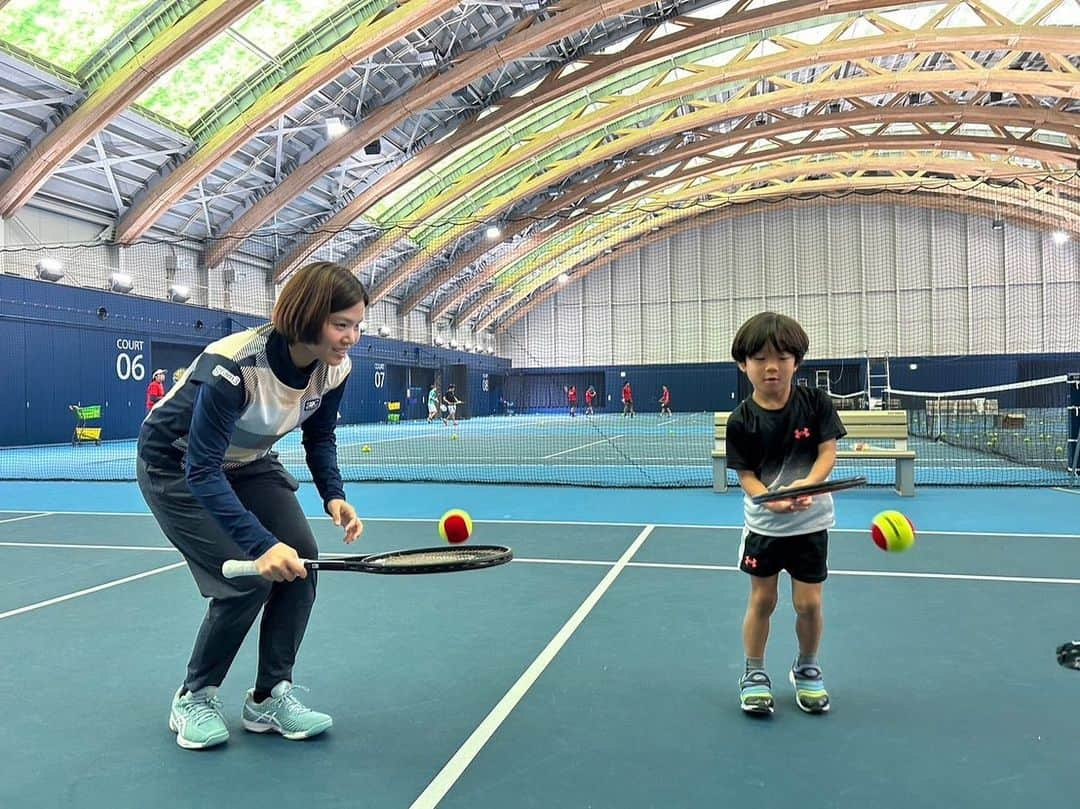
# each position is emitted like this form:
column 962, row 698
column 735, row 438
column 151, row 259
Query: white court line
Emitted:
column 583, row 446
column 614, row 524
column 604, row 563
column 457, row 764
column 79, row 547
column 27, row 517
column 886, row 574
column 1064, row 491
column 89, row 590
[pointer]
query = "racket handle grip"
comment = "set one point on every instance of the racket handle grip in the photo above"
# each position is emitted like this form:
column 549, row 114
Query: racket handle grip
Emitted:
column 235, row 568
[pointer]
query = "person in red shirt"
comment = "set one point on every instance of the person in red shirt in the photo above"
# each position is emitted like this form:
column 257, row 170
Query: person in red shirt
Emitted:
column 571, row 399
column 590, row 396
column 627, row 400
column 155, row 391
column 665, row 400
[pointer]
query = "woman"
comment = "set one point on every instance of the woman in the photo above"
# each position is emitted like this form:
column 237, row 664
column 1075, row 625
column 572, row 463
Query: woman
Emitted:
column 155, row 391
column 206, row 469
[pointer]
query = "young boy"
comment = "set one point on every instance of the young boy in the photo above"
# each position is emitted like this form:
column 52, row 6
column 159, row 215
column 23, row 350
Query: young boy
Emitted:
column 782, row 435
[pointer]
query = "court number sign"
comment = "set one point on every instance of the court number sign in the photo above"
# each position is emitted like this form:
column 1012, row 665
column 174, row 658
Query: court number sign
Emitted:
column 380, row 374
column 129, row 359
column 484, row 382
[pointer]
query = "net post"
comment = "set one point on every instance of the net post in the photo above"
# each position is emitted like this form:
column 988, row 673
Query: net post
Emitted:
column 1072, row 446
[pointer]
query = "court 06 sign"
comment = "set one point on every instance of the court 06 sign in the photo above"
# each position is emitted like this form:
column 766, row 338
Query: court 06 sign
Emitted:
column 129, row 359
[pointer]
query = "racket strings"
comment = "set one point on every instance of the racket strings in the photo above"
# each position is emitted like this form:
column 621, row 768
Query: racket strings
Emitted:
column 435, row 557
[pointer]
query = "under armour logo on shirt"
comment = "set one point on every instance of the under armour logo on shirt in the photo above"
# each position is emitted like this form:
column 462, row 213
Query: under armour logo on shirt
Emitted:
column 802, row 433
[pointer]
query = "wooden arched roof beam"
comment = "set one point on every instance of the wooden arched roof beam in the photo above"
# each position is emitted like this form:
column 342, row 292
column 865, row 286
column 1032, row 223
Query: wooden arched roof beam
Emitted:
column 648, row 46
column 1033, row 118
column 567, row 20
column 367, row 40
column 654, row 187
column 114, row 94
column 1059, row 80
column 1017, row 210
column 843, row 173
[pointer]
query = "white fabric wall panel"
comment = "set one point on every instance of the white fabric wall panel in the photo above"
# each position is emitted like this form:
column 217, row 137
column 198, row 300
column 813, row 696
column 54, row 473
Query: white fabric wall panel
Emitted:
column 949, row 325
column 1023, row 249
column 895, row 279
column 1060, row 330
column 626, row 332
column 1059, row 261
column 988, row 317
column 568, row 326
column 779, row 251
column 626, row 279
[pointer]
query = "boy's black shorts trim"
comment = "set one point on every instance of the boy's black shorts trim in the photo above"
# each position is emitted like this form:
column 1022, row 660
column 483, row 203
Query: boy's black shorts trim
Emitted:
column 803, row 556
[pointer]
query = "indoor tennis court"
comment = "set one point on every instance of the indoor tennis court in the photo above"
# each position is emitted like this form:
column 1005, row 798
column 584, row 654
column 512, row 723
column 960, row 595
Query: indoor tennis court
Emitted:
column 589, row 271
column 596, row 669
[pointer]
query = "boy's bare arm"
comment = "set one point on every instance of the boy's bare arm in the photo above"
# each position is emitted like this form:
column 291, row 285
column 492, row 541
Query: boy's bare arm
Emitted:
column 823, row 466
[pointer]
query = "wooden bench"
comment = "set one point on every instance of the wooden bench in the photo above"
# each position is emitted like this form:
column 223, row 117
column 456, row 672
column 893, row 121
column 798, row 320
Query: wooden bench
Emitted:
column 877, row 425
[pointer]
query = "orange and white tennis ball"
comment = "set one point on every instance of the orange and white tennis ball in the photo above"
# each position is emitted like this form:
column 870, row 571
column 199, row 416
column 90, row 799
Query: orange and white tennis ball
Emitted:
column 892, row 532
column 455, row 526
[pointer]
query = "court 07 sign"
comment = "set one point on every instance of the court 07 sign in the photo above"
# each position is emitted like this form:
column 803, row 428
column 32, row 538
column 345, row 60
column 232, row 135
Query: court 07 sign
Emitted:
column 380, row 374
column 129, row 359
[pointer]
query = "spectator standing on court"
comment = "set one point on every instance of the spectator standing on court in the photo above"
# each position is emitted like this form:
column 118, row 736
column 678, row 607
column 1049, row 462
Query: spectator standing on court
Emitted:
column 665, row 400
column 155, row 391
column 433, row 403
column 571, row 399
column 451, row 402
column 627, row 400
column 590, row 397
column 205, row 467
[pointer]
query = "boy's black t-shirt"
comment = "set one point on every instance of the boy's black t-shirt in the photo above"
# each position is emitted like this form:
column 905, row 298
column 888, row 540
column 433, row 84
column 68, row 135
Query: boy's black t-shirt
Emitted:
column 781, row 446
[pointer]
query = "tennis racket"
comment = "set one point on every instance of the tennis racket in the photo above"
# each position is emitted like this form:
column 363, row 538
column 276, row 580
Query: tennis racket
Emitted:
column 1068, row 655
column 417, row 560
column 829, row 486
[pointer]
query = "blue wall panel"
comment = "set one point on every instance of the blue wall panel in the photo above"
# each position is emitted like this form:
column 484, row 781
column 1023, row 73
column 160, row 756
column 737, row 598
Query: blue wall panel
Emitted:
column 13, row 387
column 60, row 351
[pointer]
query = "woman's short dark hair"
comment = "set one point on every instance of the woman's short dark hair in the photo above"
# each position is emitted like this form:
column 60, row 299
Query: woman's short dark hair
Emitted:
column 770, row 329
column 311, row 295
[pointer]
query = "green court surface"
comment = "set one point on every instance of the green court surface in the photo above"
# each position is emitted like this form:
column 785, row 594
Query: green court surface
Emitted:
column 596, row 670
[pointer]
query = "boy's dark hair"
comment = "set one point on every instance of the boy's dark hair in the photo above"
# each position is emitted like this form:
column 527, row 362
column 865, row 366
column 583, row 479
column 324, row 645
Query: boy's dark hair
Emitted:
column 770, row 329
column 311, row 295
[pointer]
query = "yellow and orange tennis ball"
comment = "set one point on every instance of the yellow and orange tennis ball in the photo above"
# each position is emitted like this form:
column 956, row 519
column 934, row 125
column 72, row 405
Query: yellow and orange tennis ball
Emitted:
column 892, row 531
column 455, row 526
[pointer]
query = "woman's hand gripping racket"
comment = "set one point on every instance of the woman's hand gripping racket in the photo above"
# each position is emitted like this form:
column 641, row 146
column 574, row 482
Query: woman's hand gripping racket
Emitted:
column 808, row 490
column 418, row 560
column 1068, row 655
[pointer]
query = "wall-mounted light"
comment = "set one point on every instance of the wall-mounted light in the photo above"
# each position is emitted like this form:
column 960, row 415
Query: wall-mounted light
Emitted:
column 493, row 232
column 179, row 293
column 49, row 269
column 120, row 282
column 384, row 331
column 1059, row 237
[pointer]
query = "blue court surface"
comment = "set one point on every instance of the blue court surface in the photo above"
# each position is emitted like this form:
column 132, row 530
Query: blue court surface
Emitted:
column 596, row 670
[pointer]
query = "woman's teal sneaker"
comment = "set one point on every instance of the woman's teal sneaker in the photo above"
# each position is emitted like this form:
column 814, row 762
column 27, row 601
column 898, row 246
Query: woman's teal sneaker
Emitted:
column 283, row 713
column 196, row 719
